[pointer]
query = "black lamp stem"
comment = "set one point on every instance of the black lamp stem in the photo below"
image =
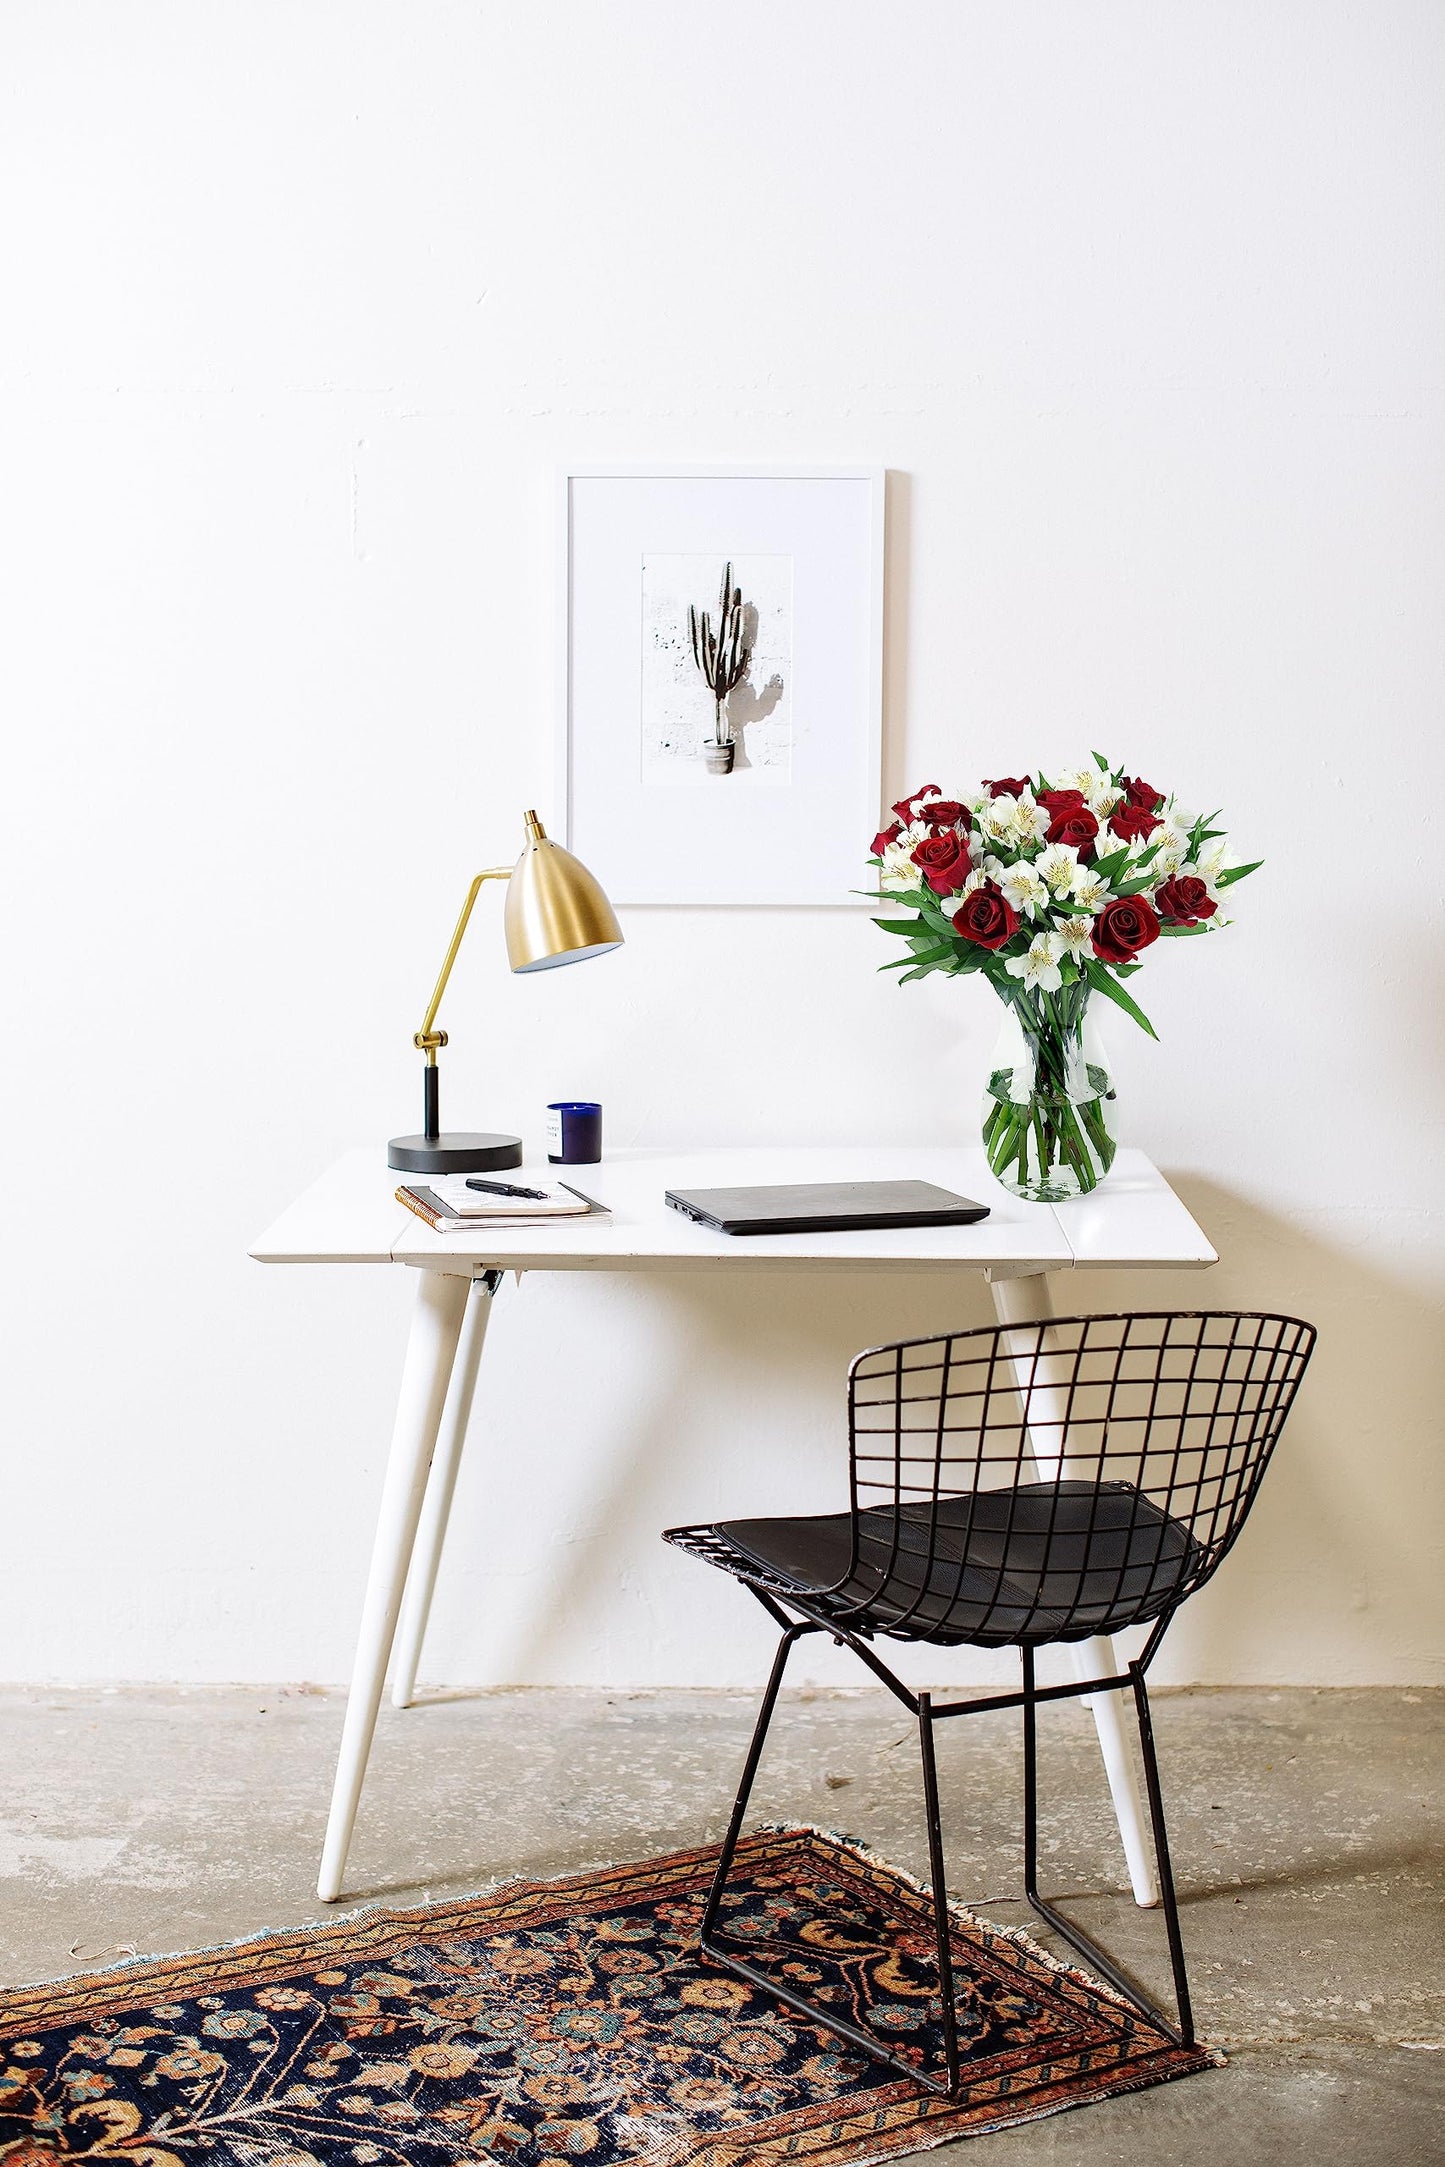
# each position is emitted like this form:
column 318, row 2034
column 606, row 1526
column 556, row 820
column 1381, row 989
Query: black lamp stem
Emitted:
column 431, row 1102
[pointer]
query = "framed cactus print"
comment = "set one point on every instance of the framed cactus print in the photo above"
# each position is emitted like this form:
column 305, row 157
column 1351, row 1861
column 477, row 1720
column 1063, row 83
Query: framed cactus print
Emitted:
column 721, row 688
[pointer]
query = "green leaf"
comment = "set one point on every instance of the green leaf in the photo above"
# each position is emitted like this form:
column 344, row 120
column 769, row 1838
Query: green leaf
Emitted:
column 934, row 914
column 896, row 925
column 1102, row 982
column 1101, row 763
column 1106, row 868
column 1179, row 932
column 1237, row 872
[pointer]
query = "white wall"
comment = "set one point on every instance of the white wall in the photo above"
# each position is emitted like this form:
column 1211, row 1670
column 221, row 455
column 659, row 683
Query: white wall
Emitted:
column 1141, row 307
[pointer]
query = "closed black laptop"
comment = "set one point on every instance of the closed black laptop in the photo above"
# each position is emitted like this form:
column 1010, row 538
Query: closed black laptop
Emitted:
column 808, row 1207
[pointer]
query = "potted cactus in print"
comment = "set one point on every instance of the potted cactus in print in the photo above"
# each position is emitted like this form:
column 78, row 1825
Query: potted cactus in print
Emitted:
column 722, row 656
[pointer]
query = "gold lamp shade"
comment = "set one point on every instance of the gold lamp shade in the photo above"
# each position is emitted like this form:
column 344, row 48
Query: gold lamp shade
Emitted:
column 555, row 911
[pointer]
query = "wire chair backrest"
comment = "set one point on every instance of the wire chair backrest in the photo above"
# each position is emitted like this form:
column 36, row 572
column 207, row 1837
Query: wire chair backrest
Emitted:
column 1115, row 1457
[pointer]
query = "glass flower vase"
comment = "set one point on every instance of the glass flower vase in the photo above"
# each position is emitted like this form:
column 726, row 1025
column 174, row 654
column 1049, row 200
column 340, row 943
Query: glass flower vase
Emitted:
column 1049, row 1104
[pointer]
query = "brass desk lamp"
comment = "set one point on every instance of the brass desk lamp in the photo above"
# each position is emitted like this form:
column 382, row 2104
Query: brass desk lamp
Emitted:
column 554, row 913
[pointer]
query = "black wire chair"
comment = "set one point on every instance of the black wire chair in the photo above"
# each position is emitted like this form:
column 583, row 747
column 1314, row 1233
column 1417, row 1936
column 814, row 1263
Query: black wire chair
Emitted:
column 1014, row 1487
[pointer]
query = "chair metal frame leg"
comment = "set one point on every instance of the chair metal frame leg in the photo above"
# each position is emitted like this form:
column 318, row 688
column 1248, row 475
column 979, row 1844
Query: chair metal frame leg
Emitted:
column 946, row 2086
column 1183, row 2033
column 1161, row 1852
column 921, row 1706
column 948, row 2014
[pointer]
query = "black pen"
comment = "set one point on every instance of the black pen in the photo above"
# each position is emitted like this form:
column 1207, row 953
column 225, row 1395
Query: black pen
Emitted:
column 504, row 1188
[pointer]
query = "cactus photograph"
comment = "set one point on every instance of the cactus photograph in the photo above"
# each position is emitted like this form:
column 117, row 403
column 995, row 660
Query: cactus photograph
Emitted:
column 722, row 680
column 717, row 666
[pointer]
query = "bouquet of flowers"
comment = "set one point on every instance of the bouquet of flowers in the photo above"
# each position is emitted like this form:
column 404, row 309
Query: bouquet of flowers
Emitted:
column 1053, row 890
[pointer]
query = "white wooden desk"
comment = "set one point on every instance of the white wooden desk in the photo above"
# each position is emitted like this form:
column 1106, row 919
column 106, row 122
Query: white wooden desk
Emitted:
column 350, row 1216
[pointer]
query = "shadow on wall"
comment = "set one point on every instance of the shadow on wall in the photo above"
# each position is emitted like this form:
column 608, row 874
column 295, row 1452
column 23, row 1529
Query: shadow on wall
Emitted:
column 774, row 1351
column 746, row 703
column 897, row 586
column 1336, row 1578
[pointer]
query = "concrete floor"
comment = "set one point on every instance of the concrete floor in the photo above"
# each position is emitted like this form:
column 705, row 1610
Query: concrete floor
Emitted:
column 1307, row 1847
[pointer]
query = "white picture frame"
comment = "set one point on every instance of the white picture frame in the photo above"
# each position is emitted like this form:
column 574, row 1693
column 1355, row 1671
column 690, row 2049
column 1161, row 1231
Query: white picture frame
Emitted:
column 651, row 814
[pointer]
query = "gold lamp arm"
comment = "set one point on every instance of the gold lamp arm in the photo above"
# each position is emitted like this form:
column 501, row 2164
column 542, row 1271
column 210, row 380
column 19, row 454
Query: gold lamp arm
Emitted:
column 555, row 913
column 427, row 1040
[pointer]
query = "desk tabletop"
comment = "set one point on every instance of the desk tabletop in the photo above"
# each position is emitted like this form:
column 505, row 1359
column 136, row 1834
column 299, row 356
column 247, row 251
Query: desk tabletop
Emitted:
column 351, row 1216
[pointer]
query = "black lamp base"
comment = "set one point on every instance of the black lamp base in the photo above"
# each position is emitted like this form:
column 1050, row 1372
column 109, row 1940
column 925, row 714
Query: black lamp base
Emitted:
column 456, row 1151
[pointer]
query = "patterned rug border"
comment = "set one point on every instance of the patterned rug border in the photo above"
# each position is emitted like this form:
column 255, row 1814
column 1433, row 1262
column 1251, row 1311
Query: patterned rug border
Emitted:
column 512, row 1887
column 893, row 2120
column 279, row 1940
column 1017, row 1935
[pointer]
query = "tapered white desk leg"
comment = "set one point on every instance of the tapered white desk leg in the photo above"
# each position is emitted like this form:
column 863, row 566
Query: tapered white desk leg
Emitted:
column 1026, row 1301
column 436, row 1511
column 441, row 1300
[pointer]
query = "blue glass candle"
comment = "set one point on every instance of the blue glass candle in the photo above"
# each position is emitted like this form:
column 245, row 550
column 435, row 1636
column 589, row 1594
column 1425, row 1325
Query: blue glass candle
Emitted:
column 574, row 1132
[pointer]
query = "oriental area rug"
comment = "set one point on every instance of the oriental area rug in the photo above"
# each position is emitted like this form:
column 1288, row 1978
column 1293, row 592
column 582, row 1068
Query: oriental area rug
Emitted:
column 565, row 2020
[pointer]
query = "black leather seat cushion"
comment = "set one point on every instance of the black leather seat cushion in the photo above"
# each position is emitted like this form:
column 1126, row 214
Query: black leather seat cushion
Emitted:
column 1045, row 1561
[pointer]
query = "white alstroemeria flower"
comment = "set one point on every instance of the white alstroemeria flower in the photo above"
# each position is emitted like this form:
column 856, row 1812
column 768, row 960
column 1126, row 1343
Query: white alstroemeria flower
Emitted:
column 995, row 821
column 983, row 871
column 1100, row 795
column 1211, row 863
column 1030, row 820
column 1059, row 866
column 976, row 798
column 1013, row 823
column 1023, row 888
column 897, row 869
column 1171, row 850
column 1074, row 936
column 1090, row 892
column 1040, row 967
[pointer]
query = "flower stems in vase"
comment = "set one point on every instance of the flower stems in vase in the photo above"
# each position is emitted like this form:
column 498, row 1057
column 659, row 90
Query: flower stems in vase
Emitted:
column 1046, row 1105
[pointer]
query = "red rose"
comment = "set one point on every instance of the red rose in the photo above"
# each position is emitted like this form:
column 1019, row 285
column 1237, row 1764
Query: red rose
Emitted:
column 941, row 812
column 1184, row 900
column 943, row 861
column 1060, row 801
column 1123, row 927
column 907, row 808
column 1131, row 823
column 1138, row 792
column 1007, row 786
column 1074, row 824
column 987, row 918
column 885, row 836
